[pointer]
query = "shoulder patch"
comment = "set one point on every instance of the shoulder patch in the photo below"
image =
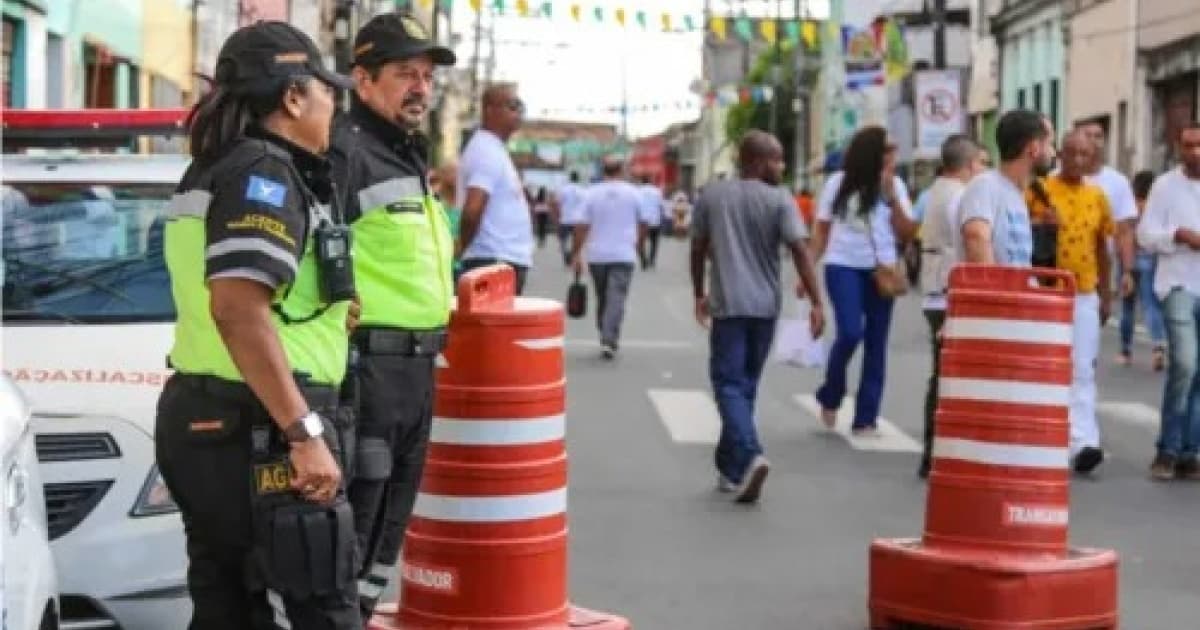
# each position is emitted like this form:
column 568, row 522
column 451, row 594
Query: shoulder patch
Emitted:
column 266, row 191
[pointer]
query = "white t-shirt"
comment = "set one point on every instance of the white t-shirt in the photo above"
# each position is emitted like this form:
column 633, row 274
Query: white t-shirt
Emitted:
column 570, row 201
column 652, row 204
column 849, row 244
column 1119, row 192
column 612, row 210
column 505, row 231
column 1174, row 203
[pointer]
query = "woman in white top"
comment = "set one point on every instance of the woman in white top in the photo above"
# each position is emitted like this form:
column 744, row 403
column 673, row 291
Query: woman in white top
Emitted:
column 863, row 216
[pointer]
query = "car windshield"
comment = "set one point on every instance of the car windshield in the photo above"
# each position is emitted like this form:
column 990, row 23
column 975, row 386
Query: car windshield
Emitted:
column 85, row 253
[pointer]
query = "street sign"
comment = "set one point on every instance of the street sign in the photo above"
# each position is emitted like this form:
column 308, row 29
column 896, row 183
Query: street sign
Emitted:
column 939, row 109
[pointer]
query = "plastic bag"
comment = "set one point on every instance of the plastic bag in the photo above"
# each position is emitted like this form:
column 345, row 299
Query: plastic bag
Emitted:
column 794, row 343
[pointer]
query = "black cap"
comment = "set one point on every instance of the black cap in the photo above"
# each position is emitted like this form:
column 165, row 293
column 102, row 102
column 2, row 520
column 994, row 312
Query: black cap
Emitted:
column 394, row 37
column 255, row 54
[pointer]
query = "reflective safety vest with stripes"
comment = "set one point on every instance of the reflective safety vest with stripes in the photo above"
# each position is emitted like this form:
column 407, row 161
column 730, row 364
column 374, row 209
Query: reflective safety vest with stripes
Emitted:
column 403, row 254
column 313, row 334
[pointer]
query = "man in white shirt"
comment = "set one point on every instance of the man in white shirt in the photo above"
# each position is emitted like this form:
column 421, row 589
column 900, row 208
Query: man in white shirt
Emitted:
column 610, row 233
column 1170, row 227
column 496, row 225
column 651, row 214
column 568, row 205
column 1120, row 200
column 962, row 159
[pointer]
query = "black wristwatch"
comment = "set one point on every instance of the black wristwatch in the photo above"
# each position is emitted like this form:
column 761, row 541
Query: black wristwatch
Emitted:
column 309, row 426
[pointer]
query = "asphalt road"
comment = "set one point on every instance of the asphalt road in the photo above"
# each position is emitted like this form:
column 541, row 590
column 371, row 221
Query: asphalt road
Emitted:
column 653, row 541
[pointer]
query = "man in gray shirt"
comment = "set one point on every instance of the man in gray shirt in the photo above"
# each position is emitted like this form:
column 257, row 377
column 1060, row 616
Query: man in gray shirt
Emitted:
column 739, row 225
column 992, row 213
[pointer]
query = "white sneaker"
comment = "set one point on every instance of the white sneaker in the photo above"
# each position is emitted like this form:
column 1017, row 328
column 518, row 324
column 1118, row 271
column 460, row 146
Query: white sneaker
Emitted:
column 607, row 351
column 724, row 485
column 751, row 487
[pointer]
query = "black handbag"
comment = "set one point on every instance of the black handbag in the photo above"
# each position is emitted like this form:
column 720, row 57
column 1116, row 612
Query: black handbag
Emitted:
column 577, row 298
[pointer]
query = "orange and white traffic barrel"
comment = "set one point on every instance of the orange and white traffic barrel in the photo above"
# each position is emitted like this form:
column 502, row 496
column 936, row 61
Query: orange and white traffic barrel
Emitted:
column 486, row 546
column 994, row 554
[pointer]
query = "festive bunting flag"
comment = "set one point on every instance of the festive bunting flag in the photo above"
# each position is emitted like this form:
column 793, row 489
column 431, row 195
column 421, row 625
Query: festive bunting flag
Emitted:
column 599, row 14
column 744, row 28
column 425, row 4
column 548, row 9
column 401, row 4
column 666, row 21
column 689, row 23
column 620, row 15
column 791, row 30
column 575, row 11
column 767, row 28
column 640, row 16
column 809, row 32
column 719, row 27
column 476, row 5
column 498, row 5
column 523, row 7
column 447, row 5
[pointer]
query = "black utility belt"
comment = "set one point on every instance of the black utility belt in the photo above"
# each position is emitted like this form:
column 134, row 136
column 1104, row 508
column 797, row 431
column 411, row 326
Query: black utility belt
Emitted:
column 400, row 341
column 315, row 394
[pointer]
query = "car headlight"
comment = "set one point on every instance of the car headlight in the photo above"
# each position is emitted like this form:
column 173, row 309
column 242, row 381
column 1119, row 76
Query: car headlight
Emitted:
column 154, row 499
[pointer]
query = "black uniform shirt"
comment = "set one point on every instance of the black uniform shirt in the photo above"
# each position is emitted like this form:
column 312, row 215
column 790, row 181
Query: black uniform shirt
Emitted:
column 261, row 209
column 368, row 150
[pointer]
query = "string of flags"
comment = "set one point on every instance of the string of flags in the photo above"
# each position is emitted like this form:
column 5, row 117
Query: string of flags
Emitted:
column 733, row 95
column 614, row 109
column 744, row 28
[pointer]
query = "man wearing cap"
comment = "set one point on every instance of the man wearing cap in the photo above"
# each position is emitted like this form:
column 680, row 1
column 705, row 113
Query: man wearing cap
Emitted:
column 403, row 259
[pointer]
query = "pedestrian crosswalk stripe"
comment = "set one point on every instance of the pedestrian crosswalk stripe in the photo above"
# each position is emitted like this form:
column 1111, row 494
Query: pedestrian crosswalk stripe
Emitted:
column 690, row 415
column 1136, row 413
column 891, row 438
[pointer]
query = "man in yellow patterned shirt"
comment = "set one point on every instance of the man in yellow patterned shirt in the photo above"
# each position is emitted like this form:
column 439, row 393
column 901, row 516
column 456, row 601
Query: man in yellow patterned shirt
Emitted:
column 1084, row 220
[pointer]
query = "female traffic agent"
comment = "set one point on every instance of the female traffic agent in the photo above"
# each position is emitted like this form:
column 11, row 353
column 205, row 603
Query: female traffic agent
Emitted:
column 863, row 217
column 244, row 440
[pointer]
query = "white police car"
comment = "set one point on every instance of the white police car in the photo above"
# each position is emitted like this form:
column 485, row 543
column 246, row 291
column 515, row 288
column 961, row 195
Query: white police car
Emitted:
column 27, row 584
column 87, row 326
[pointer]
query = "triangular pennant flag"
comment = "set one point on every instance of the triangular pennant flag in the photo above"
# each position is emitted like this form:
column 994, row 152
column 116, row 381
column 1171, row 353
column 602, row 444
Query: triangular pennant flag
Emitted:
column 640, row 16
column 446, row 5
column 744, row 28
column 809, row 32
column 522, row 7
column 498, row 5
column 476, row 5
column 599, row 13
column 425, row 4
column 619, row 13
column 792, row 31
column 575, row 11
column 689, row 23
column 767, row 28
column 401, row 4
column 719, row 27
column 548, row 9
column 666, row 21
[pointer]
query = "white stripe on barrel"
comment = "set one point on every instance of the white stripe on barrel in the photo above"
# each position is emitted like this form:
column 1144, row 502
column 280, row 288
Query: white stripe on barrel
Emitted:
column 996, row 454
column 498, row 431
column 1003, row 391
column 1010, row 330
column 502, row 509
column 544, row 343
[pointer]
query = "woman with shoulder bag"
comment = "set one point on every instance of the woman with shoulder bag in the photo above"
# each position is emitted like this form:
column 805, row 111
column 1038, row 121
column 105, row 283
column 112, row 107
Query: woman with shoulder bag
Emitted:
column 862, row 216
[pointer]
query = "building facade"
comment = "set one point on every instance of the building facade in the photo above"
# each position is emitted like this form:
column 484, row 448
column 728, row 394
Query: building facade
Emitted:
column 1101, row 62
column 1032, row 49
column 1168, row 77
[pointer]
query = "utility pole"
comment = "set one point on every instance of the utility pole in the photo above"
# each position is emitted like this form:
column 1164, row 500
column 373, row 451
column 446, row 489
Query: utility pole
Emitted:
column 473, row 109
column 939, row 34
column 341, row 35
column 776, row 75
column 799, row 150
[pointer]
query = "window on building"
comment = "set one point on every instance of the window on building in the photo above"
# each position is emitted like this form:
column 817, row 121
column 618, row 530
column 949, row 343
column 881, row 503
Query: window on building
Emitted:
column 1053, row 113
column 55, row 51
column 101, row 77
column 1037, row 97
column 6, row 67
column 1021, row 98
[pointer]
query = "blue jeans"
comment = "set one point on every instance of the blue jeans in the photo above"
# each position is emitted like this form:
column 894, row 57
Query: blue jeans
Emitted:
column 1143, row 279
column 739, row 348
column 862, row 315
column 1180, row 433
